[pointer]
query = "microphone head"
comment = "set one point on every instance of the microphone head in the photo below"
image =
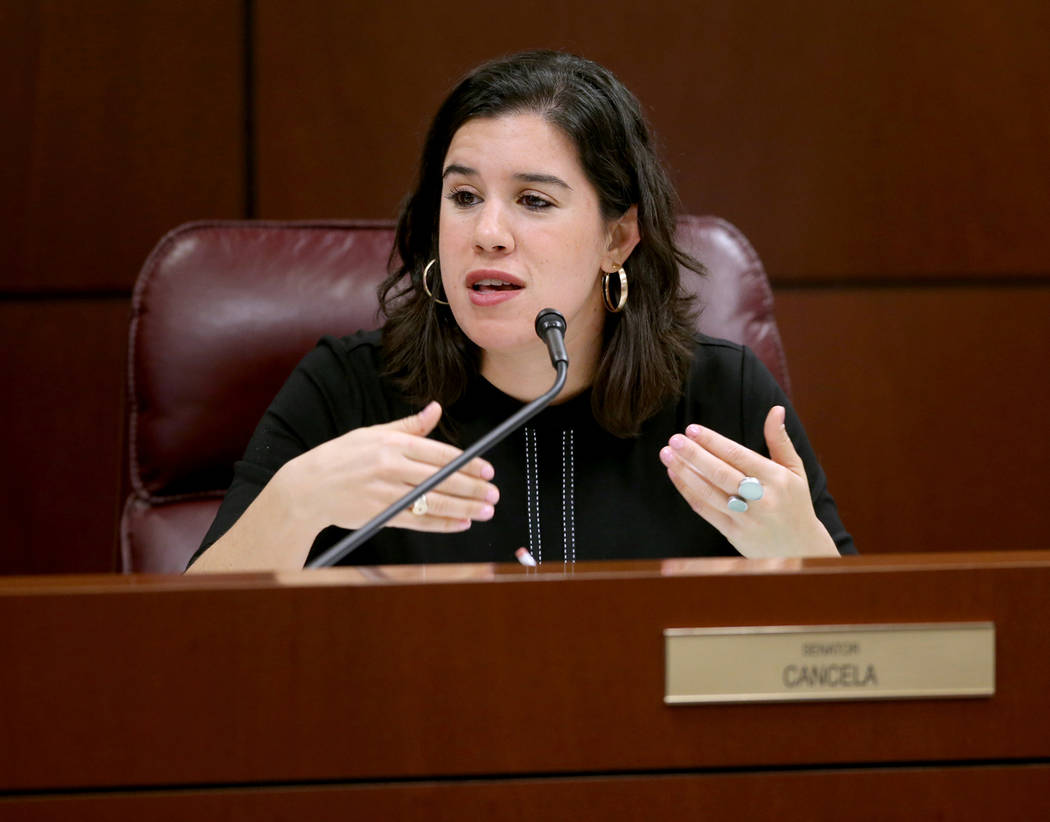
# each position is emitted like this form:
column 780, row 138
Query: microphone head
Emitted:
column 547, row 319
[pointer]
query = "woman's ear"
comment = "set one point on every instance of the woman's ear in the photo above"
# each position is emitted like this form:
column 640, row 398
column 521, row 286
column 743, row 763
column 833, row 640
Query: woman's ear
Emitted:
column 623, row 236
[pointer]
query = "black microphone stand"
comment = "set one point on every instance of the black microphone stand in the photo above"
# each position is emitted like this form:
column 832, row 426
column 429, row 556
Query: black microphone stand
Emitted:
column 366, row 531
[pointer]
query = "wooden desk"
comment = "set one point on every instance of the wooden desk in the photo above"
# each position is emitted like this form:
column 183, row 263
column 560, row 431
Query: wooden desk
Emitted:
column 477, row 691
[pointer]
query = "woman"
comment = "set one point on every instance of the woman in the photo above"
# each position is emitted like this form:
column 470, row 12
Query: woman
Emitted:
column 538, row 187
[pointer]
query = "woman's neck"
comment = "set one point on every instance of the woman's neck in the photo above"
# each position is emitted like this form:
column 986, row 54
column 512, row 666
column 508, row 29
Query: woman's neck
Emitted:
column 527, row 374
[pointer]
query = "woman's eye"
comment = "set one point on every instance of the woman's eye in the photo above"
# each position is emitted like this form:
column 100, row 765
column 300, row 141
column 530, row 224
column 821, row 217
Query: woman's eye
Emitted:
column 535, row 202
column 463, row 198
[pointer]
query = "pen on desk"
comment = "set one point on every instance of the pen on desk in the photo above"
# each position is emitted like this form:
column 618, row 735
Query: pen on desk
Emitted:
column 525, row 558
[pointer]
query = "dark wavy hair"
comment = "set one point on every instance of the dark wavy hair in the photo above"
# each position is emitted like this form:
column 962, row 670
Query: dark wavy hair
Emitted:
column 647, row 347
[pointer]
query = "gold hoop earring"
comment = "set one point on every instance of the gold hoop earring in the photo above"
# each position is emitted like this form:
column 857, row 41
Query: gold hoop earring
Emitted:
column 617, row 306
column 426, row 287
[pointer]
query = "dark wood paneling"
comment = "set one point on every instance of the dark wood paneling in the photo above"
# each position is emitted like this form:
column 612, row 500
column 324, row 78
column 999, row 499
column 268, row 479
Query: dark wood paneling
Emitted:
column 890, row 795
column 928, row 410
column 479, row 672
column 62, row 370
column 124, row 119
column 846, row 139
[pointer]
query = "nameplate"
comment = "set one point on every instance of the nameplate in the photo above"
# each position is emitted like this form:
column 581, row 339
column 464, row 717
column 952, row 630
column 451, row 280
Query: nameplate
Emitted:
column 828, row 662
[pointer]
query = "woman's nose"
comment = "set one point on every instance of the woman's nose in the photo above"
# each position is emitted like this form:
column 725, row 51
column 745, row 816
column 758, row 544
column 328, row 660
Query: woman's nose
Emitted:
column 492, row 231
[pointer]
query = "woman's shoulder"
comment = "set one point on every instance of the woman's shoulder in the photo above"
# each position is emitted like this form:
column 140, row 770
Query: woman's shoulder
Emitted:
column 342, row 380
column 730, row 365
column 360, row 353
column 717, row 354
column 717, row 345
column 338, row 367
column 360, row 344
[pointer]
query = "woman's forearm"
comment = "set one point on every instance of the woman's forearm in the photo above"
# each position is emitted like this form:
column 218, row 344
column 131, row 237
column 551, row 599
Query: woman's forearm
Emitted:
column 273, row 534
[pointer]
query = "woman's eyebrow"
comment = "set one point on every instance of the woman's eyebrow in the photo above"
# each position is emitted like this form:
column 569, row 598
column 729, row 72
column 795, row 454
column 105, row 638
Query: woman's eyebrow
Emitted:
column 543, row 178
column 525, row 177
column 457, row 169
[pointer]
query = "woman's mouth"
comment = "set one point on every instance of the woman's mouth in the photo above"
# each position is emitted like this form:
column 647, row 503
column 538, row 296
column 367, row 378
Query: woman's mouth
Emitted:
column 492, row 287
column 489, row 284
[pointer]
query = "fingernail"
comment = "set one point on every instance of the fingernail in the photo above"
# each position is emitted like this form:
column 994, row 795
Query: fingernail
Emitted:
column 693, row 430
column 485, row 513
column 487, row 471
column 492, row 495
column 677, row 442
column 462, row 525
column 666, row 456
column 524, row 557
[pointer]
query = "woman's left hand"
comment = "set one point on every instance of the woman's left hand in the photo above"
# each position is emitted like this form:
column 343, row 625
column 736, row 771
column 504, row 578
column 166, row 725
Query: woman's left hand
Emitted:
column 707, row 468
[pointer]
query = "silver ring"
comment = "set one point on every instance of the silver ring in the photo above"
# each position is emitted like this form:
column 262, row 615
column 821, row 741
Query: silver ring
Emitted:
column 750, row 488
column 736, row 504
column 419, row 507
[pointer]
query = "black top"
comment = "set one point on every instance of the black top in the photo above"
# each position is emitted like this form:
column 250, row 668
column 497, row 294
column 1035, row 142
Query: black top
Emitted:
column 569, row 490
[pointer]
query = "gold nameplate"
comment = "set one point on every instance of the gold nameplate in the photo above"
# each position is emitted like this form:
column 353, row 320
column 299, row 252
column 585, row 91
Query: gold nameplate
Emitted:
column 822, row 662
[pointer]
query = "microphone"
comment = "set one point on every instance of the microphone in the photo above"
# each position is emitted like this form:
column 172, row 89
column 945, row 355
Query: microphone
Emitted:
column 550, row 327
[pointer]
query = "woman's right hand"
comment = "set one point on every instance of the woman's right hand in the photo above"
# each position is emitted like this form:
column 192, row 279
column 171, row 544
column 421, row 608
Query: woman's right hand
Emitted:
column 348, row 480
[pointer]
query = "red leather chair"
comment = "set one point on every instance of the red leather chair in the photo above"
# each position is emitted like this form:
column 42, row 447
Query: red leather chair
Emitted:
column 222, row 312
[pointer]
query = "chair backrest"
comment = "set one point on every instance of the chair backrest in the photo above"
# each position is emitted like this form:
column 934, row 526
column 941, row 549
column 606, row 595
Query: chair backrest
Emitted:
column 223, row 311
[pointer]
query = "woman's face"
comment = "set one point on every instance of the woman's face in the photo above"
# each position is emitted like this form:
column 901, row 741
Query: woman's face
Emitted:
column 520, row 230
